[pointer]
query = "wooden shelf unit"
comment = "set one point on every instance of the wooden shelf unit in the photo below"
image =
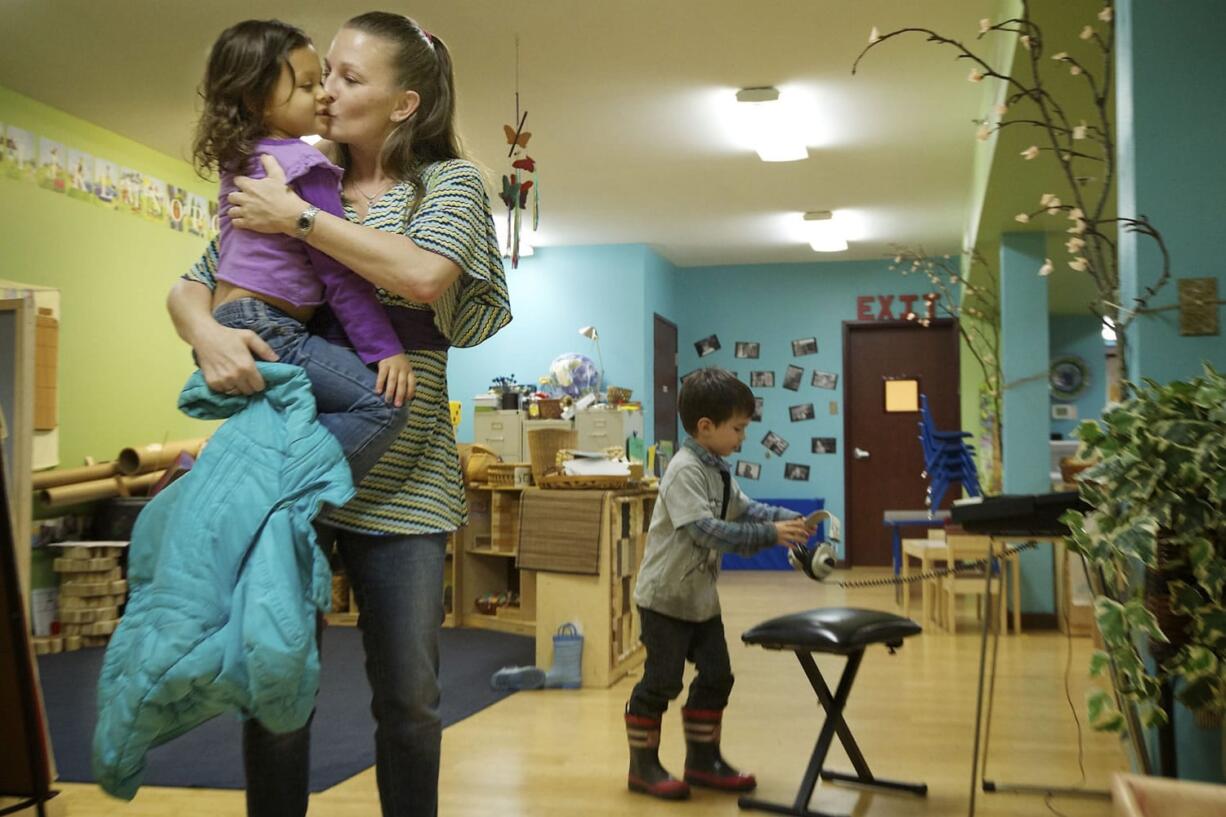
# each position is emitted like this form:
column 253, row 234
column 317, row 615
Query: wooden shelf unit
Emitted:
column 603, row 605
column 486, row 562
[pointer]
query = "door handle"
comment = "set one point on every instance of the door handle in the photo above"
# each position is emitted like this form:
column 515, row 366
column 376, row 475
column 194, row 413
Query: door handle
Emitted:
column 860, row 454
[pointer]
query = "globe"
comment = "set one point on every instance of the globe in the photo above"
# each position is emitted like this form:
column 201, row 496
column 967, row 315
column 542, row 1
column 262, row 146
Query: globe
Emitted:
column 575, row 374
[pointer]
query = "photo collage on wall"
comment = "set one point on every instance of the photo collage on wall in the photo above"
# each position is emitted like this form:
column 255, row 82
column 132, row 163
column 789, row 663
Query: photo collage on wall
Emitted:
column 60, row 168
column 799, row 410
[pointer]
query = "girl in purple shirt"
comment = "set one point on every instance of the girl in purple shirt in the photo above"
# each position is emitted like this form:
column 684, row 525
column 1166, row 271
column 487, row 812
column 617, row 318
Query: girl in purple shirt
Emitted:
column 262, row 90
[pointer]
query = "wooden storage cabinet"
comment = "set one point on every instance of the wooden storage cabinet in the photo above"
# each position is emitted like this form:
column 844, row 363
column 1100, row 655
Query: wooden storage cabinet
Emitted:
column 601, row 429
column 603, row 605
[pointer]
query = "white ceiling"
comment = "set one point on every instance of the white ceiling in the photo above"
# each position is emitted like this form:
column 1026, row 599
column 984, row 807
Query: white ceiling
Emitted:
column 620, row 95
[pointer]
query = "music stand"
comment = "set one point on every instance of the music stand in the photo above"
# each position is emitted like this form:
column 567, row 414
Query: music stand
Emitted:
column 1033, row 518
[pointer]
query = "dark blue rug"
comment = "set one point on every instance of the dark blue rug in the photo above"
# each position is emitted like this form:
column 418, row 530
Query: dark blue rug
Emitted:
column 342, row 735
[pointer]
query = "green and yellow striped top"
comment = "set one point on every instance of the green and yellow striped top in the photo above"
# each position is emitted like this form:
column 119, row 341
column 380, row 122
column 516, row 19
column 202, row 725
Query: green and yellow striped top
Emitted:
column 417, row 486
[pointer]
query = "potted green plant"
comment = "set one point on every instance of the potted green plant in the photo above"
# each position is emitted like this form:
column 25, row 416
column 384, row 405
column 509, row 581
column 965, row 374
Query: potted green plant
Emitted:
column 1157, row 497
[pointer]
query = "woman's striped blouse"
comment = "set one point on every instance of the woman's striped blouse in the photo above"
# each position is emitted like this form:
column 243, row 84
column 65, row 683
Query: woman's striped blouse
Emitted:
column 417, row 486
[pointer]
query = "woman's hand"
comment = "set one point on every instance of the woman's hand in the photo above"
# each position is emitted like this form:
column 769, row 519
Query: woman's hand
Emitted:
column 396, row 381
column 265, row 205
column 226, row 357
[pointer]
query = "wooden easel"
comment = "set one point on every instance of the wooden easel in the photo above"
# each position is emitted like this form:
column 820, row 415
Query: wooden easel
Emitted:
column 26, row 772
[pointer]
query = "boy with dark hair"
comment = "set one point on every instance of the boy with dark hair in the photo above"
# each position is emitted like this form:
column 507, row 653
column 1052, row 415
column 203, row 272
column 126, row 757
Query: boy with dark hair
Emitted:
column 701, row 514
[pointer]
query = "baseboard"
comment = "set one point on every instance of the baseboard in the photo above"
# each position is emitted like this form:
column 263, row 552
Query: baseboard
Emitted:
column 1039, row 621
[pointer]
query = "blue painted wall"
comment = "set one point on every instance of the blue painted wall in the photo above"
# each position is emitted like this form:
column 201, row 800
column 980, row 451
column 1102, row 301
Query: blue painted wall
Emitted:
column 774, row 305
column 553, row 293
column 1080, row 335
column 615, row 288
column 1171, row 116
column 1026, row 423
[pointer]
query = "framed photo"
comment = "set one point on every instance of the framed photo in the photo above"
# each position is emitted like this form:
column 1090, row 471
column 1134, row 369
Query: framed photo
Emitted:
column 792, row 377
column 707, row 346
column 748, row 470
column 747, row 348
column 824, row 445
column 762, row 380
column 758, row 402
column 804, row 346
column 825, row 380
column 796, row 471
column 774, row 443
column 804, row 411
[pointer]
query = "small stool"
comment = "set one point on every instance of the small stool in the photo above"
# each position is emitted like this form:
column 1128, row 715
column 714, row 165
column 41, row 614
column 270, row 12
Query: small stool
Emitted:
column 842, row 631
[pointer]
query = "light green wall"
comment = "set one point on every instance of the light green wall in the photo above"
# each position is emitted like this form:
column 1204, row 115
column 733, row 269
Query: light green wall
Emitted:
column 121, row 364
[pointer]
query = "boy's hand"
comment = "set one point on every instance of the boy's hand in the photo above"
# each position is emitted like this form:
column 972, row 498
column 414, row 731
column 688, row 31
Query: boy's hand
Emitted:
column 791, row 532
column 396, row 381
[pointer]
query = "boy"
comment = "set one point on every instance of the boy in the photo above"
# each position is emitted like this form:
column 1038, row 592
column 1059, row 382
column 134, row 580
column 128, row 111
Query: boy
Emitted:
column 700, row 515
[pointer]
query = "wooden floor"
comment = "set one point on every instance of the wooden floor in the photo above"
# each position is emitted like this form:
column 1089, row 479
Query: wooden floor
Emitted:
column 559, row 753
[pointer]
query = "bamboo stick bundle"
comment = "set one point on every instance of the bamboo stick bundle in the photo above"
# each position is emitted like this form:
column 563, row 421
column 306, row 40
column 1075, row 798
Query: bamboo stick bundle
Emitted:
column 67, row 476
column 61, row 495
column 156, row 456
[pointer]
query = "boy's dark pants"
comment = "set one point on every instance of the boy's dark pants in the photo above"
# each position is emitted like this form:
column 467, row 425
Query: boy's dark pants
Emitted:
column 670, row 642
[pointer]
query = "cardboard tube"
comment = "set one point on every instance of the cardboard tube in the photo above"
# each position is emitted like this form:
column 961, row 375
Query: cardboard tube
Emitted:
column 156, row 455
column 67, row 476
column 76, row 493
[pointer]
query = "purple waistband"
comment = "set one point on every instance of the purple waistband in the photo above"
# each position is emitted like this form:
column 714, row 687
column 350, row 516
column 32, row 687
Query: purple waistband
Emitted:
column 416, row 329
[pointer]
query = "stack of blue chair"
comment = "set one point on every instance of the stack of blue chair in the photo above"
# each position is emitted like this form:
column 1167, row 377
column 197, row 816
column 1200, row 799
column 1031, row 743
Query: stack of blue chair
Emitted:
column 947, row 459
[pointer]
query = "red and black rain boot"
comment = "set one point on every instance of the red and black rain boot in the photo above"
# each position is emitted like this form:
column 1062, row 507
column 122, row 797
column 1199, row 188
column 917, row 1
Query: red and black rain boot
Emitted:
column 704, row 766
column 646, row 773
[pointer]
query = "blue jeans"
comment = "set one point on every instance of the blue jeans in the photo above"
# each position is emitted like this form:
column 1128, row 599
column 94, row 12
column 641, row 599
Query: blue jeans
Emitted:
column 398, row 582
column 344, row 387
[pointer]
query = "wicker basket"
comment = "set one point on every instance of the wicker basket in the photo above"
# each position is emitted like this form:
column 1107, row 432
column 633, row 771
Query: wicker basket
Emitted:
column 502, row 474
column 617, row 395
column 550, row 409
column 543, row 447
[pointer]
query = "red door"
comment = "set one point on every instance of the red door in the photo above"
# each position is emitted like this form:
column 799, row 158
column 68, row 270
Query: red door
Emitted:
column 884, row 362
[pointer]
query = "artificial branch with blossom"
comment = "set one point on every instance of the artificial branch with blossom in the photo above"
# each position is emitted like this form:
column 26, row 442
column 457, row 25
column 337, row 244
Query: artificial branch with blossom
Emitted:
column 1083, row 150
column 975, row 306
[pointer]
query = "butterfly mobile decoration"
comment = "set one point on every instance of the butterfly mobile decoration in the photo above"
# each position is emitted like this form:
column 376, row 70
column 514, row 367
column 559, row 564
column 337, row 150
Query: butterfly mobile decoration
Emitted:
column 516, row 186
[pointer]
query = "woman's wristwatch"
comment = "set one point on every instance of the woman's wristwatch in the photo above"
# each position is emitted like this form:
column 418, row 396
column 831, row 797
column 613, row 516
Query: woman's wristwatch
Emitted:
column 305, row 222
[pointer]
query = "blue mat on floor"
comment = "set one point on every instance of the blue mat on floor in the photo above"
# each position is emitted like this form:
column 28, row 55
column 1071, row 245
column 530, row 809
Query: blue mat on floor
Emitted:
column 342, row 736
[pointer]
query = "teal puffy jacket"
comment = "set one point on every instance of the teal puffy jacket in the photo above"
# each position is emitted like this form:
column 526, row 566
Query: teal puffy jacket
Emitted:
column 226, row 579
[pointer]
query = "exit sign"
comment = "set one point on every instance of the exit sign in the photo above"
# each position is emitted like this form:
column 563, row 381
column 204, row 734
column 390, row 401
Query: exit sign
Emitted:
column 896, row 307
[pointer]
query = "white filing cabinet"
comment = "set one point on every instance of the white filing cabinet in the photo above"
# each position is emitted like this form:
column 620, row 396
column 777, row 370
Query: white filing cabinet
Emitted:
column 502, row 432
column 601, row 429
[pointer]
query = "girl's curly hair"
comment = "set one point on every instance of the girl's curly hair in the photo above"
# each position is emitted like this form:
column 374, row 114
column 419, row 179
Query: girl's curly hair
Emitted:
column 243, row 69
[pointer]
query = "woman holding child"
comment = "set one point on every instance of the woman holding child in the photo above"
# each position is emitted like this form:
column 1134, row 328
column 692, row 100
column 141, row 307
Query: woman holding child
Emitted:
column 417, row 225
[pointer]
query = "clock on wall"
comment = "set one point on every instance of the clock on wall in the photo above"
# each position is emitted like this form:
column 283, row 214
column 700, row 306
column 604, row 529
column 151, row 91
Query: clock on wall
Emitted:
column 1069, row 375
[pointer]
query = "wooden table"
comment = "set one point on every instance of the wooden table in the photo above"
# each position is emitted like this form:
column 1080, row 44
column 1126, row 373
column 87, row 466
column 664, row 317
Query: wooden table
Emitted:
column 896, row 521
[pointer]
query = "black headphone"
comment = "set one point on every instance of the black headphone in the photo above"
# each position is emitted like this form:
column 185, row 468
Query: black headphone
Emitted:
column 817, row 561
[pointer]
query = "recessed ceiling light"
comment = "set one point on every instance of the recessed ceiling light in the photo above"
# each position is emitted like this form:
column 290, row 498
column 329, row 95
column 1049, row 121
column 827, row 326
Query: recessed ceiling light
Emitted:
column 770, row 125
column 823, row 232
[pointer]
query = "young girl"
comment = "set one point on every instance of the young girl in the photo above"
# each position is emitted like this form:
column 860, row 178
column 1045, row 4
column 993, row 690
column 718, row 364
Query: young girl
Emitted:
column 263, row 90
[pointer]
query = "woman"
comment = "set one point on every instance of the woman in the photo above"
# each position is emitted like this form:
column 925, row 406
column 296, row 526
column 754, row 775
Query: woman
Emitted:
column 418, row 226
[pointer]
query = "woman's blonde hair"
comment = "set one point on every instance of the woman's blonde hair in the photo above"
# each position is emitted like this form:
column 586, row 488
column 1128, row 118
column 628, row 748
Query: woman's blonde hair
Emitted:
column 422, row 63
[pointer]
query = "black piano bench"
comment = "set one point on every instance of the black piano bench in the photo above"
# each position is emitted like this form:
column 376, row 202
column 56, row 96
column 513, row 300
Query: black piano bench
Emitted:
column 842, row 631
